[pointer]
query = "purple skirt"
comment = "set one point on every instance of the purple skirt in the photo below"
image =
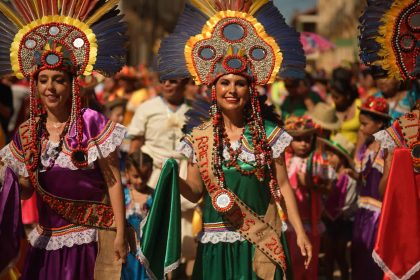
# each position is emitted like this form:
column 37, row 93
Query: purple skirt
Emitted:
column 67, row 263
column 364, row 236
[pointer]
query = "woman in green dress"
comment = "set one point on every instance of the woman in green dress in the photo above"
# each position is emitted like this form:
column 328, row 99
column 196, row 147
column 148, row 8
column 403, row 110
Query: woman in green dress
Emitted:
column 236, row 157
column 223, row 252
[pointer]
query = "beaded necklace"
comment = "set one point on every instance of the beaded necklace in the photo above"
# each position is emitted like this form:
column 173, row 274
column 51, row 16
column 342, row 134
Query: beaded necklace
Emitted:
column 43, row 133
column 262, row 151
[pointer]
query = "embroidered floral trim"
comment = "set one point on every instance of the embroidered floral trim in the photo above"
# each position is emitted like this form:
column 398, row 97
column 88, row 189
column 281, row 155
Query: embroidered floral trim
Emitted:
column 387, row 142
column 278, row 146
column 390, row 273
column 102, row 150
column 54, row 242
column 220, row 236
column 370, row 156
column 11, row 161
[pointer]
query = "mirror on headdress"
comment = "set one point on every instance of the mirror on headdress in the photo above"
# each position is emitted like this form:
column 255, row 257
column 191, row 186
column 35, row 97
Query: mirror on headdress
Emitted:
column 235, row 63
column 407, row 42
column 414, row 21
column 233, row 32
column 207, row 53
column 54, row 30
column 52, row 59
column 258, row 54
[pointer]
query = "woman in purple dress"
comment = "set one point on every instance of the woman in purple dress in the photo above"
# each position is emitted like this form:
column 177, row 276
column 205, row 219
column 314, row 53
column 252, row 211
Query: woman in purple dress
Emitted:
column 369, row 163
column 67, row 154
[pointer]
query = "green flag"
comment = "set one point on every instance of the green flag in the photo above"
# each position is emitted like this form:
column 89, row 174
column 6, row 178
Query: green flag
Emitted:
column 161, row 239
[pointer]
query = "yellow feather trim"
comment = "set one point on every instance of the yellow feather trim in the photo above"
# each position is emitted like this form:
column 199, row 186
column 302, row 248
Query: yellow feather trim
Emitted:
column 256, row 6
column 14, row 49
column 386, row 31
column 207, row 32
column 205, row 6
column 11, row 15
column 101, row 11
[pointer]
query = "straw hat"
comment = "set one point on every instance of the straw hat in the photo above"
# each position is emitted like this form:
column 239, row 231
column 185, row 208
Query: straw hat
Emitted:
column 325, row 116
column 340, row 144
column 299, row 126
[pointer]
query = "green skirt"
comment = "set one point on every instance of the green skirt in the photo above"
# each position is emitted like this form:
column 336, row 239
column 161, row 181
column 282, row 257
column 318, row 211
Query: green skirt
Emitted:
column 228, row 261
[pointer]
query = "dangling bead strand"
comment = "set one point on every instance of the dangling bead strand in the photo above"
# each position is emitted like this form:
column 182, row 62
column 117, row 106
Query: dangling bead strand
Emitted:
column 79, row 155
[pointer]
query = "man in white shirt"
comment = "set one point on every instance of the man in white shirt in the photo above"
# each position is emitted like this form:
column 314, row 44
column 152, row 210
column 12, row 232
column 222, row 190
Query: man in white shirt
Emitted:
column 156, row 126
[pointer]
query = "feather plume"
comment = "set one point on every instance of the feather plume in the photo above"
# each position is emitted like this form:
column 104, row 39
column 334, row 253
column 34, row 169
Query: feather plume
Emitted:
column 199, row 113
column 11, row 15
column 89, row 8
column 294, row 61
column 63, row 7
column 20, row 9
column 101, row 11
column 171, row 63
column 207, row 7
column 42, row 8
column 370, row 23
column 110, row 35
column 34, row 6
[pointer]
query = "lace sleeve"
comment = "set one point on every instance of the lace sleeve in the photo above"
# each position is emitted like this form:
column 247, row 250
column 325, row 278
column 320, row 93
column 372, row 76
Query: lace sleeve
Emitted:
column 387, row 142
column 13, row 157
column 106, row 146
column 185, row 147
column 280, row 141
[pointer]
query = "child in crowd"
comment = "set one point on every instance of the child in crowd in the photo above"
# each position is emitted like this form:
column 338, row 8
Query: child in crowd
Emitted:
column 115, row 111
column 138, row 200
column 306, row 179
column 369, row 163
column 340, row 205
column 325, row 118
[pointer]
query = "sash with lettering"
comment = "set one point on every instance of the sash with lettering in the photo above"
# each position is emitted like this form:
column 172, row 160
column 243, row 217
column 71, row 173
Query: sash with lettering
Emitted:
column 264, row 232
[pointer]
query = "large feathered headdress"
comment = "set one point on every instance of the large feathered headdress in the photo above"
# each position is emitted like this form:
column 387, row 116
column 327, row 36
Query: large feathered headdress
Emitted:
column 389, row 34
column 216, row 37
column 75, row 35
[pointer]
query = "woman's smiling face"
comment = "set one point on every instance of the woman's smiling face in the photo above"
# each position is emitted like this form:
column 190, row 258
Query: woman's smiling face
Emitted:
column 54, row 89
column 232, row 92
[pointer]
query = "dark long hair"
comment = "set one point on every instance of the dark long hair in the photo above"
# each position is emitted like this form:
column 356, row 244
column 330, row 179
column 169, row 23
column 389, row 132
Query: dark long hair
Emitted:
column 342, row 83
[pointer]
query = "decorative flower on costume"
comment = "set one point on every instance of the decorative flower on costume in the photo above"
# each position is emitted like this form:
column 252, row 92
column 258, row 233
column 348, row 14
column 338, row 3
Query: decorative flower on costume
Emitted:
column 388, row 39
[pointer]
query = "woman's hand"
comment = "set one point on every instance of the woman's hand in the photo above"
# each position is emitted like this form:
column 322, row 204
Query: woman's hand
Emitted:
column 305, row 247
column 120, row 248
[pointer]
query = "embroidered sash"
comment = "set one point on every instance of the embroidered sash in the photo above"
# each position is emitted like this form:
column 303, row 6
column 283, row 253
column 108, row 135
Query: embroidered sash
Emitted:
column 80, row 212
column 264, row 233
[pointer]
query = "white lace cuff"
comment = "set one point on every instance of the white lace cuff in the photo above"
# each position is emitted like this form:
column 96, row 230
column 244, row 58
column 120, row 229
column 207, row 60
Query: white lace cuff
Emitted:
column 55, row 242
column 385, row 139
column 12, row 162
column 281, row 144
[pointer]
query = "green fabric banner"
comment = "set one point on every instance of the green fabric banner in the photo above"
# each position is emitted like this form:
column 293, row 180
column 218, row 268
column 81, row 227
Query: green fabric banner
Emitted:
column 161, row 239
